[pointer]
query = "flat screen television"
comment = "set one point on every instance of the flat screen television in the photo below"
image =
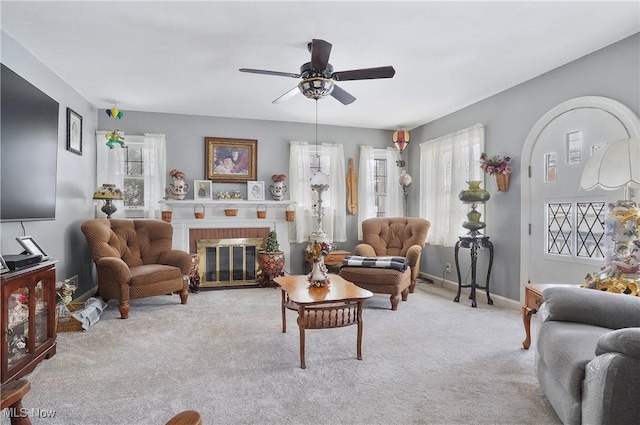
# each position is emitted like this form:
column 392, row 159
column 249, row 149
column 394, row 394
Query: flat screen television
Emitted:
column 28, row 150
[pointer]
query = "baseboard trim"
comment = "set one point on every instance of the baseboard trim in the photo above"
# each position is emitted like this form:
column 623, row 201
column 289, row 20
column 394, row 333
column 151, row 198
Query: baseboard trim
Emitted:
column 481, row 295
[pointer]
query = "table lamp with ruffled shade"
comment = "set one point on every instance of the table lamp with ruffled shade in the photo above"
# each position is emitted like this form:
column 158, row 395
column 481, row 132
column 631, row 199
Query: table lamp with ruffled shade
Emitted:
column 108, row 193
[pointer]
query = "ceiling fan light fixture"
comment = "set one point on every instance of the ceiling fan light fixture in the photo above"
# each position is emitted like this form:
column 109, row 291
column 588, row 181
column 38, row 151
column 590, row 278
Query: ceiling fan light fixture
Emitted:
column 316, row 87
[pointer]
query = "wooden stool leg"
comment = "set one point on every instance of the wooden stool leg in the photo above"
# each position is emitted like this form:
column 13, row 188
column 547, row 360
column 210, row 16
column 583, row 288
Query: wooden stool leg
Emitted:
column 12, row 394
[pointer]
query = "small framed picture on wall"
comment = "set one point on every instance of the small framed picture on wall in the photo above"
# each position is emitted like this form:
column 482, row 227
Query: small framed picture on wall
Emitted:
column 74, row 132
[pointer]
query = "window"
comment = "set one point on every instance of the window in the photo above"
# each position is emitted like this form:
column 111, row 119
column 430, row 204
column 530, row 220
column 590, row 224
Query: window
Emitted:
column 303, row 163
column 576, row 229
column 139, row 170
column 378, row 188
column 446, row 164
column 133, row 185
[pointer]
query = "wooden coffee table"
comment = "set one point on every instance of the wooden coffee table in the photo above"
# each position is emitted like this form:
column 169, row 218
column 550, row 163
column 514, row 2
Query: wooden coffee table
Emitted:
column 336, row 305
column 532, row 301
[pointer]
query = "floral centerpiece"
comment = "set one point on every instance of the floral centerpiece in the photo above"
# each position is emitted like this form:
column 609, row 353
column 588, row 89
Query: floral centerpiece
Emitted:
column 316, row 251
column 499, row 167
column 278, row 177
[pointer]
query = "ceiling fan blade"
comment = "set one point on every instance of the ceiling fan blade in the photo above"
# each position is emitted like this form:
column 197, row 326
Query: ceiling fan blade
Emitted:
column 288, row 95
column 320, row 51
column 364, row 74
column 276, row 73
column 342, row 95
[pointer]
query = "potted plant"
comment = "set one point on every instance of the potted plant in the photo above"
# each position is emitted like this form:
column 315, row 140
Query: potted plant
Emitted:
column 499, row 167
column 271, row 260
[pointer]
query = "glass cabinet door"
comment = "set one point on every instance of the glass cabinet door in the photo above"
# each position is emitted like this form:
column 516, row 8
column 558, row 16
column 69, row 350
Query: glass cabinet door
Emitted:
column 40, row 315
column 18, row 326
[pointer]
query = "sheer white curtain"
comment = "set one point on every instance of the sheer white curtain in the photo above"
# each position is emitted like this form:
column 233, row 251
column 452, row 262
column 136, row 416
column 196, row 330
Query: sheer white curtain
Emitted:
column 366, row 188
column 446, row 164
column 395, row 206
column 334, row 199
column 111, row 169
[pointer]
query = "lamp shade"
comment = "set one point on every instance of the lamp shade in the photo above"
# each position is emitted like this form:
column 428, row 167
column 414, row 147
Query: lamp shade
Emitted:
column 316, row 87
column 108, row 191
column 319, row 179
column 615, row 165
column 401, row 139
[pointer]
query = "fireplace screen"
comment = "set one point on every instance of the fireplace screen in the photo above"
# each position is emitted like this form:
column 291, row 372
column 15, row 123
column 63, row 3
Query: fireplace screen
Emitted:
column 228, row 262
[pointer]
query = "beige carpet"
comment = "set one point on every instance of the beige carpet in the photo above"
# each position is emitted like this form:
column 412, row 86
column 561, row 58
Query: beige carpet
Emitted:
column 432, row 361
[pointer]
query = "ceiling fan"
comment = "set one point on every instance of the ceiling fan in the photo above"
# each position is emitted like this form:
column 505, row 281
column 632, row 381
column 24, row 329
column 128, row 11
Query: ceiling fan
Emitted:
column 318, row 76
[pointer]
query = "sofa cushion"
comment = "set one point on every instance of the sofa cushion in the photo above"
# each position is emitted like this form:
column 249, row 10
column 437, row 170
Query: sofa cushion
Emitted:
column 565, row 348
column 592, row 307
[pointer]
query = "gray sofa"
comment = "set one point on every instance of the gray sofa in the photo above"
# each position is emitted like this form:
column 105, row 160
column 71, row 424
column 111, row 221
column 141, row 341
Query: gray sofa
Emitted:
column 588, row 355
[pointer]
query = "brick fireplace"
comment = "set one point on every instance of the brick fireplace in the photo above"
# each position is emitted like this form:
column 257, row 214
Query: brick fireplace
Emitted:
column 187, row 230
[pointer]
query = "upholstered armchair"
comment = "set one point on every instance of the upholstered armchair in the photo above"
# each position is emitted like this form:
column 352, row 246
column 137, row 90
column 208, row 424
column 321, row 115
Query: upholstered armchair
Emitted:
column 394, row 237
column 135, row 259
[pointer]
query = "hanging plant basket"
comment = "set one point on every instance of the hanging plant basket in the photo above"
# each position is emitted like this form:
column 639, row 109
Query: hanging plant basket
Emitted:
column 502, row 181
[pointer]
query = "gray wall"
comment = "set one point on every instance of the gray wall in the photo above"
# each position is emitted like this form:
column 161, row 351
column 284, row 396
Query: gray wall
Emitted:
column 508, row 117
column 61, row 238
column 186, row 148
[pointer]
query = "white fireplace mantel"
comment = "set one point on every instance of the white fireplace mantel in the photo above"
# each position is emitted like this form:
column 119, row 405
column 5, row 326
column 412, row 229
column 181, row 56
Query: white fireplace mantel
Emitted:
column 183, row 219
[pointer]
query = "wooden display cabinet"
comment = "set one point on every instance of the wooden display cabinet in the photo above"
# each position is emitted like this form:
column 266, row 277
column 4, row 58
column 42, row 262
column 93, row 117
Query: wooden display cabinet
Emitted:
column 28, row 319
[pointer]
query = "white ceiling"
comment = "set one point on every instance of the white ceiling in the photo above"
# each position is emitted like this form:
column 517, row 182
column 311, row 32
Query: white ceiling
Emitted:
column 183, row 57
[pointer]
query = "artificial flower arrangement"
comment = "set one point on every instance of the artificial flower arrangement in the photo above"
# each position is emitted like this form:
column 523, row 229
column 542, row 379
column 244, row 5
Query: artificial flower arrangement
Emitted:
column 316, row 249
column 64, row 295
column 176, row 174
column 278, row 177
column 495, row 164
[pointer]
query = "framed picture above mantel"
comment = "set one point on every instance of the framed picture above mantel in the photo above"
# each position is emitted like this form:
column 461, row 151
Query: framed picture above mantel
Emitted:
column 230, row 160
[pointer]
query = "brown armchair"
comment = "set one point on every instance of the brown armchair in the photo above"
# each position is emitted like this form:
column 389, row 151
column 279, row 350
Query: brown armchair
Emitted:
column 393, row 236
column 135, row 259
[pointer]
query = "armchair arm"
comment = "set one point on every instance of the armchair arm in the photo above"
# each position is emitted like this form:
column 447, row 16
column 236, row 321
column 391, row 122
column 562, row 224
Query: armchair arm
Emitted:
column 112, row 270
column 177, row 258
column 625, row 341
column 592, row 307
column 365, row 250
column 413, row 255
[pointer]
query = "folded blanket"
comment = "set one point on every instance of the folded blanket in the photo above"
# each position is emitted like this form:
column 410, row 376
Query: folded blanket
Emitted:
column 395, row 263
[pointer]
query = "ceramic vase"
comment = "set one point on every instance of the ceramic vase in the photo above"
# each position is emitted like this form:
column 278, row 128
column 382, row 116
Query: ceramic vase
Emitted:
column 271, row 265
column 278, row 190
column 179, row 189
column 318, row 275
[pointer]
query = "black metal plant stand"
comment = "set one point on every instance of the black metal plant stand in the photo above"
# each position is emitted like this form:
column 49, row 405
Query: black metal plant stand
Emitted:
column 474, row 242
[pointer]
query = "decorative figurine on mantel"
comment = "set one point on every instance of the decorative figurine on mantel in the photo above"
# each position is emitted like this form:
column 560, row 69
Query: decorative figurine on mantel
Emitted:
column 179, row 188
column 278, row 189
